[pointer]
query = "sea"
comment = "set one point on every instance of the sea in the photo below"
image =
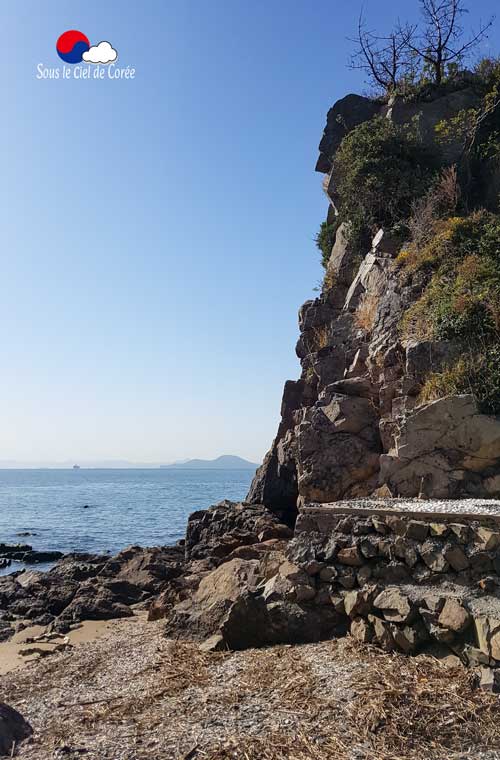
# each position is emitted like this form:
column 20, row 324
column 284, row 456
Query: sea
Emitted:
column 105, row 510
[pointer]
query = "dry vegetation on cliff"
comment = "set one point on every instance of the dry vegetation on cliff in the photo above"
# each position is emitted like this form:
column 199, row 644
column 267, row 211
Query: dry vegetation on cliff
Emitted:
column 134, row 695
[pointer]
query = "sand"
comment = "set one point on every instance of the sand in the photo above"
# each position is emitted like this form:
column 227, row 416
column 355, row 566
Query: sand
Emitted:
column 15, row 652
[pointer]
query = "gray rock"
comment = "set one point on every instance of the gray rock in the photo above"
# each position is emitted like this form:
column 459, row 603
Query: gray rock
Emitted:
column 346, row 114
column 394, row 604
column 362, row 630
column 454, row 616
column 433, row 556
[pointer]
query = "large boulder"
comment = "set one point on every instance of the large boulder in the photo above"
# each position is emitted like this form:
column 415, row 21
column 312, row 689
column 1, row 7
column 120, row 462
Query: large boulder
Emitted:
column 345, row 114
column 338, row 448
column 203, row 613
column 216, row 532
column 446, row 445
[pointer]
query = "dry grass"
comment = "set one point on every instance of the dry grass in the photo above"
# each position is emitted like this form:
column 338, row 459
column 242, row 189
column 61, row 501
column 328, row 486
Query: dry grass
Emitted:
column 147, row 698
column 366, row 312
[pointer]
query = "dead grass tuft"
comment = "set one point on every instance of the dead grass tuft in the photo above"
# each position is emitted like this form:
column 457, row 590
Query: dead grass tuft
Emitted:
column 366, row 312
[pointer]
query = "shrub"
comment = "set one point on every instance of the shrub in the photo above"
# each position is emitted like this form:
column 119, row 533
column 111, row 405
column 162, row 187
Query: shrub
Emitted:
column 380, row 169
column 440, row 200
column 461, row 302
column 325, row 239
column 478, row 374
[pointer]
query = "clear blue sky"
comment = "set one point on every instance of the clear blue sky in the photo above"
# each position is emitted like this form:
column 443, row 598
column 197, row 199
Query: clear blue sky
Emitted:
column 157, row 234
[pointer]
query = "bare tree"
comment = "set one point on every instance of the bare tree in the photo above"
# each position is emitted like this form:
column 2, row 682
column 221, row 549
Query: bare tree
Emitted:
column 441, row 41
column 386, row 60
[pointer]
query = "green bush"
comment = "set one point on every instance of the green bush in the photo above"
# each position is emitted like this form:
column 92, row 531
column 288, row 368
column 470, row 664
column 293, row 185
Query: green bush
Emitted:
column 461, row 303
column 325, row 240
column 379, row 170
column 476, row 373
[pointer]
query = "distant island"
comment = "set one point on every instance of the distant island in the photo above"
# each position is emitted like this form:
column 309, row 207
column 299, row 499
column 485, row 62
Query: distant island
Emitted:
column 224, row 462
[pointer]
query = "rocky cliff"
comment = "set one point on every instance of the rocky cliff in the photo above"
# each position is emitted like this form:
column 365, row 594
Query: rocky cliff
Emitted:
column 361, row 420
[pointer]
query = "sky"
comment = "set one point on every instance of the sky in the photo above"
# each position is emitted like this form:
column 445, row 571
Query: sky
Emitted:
column 157, row 233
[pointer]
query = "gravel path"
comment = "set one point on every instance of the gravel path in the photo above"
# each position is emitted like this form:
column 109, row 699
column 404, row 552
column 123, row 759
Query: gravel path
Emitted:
column 132, row 695
column 485, row 507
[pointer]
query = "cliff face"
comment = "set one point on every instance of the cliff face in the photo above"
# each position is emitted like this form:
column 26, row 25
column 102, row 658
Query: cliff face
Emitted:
column 354, row 423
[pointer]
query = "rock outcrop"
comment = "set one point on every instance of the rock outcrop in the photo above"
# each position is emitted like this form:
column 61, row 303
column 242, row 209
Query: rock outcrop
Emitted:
column 353, row 423
column 96, row 587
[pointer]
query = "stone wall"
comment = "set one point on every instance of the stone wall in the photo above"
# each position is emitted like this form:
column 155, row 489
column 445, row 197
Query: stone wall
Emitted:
column 407, row 582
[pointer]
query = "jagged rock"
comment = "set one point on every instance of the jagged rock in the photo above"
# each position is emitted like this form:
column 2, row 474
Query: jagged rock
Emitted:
column 454, row 616
column 340, row 268
column 328, row 574
column 359, row 603
column 338, row 447
column 461, row 532
column 214, row 643
column 346, row 114
column 362, row 630
column 438, row 529
column 394, row 604
column 382, row 633
column 416, row 530
column 480, row 564
column 347, row 577
column 146, row 569
column 429, row 113
column 216, row 532
column 409, row 638
column 489, row 679
column 95, row 600
column 6, row 630
column 363, row 575
column 350, row 345
column 369, row 547
column 432, row 554
column 486, row 539
column 350, row 556
column 456, row 557
column 406, row 550
column 488, row 635
column 13, row 729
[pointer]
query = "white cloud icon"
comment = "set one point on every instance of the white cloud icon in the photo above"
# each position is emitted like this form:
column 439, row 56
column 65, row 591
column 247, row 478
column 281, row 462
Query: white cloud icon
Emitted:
column 104, row 52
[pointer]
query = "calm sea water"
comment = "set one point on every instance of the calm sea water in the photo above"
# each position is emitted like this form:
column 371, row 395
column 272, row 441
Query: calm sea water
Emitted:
column 106, row 510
